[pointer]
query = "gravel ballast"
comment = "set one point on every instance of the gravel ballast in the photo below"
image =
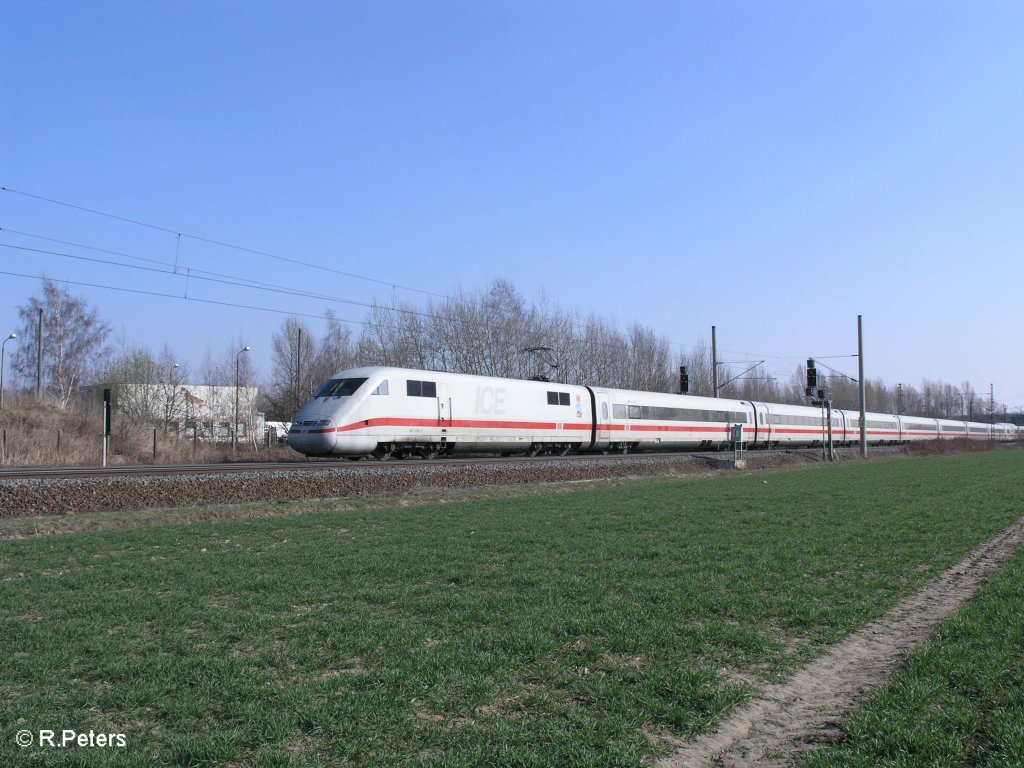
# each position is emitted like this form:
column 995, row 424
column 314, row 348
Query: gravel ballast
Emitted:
column 22, row 498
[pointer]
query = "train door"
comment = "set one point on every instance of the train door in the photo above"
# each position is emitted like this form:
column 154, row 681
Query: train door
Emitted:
column 602, row 421
column 444, row 406
column 760, row 436
column 604, row 417
column 841, row 426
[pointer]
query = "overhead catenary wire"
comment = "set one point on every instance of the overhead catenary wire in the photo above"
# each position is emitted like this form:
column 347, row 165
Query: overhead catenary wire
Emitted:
column 235, row 305
column 198, row 275
column 212, row 241
column 173, row 269
column 222, row 244
column 190, row 273
column 837, row 373
column 193, row 272
column 179, row 297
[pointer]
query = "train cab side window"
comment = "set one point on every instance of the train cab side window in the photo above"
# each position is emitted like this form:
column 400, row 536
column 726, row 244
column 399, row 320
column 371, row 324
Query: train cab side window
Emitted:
column 325, row 390
column 340, row 387
column 563, row 398
column 421, row 388
column 382, row 388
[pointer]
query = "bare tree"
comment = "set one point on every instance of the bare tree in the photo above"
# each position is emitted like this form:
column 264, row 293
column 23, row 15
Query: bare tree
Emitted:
column 487, row 334
column 148, row 388
column 292, row 351
column 301, row 362
column 755, row 384
column 136, row 376
column 647, row 365
column 74, row 338
column 333, row 353
column 970, row 398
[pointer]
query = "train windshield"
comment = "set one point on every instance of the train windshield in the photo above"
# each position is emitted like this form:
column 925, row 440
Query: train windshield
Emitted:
column 340, row 387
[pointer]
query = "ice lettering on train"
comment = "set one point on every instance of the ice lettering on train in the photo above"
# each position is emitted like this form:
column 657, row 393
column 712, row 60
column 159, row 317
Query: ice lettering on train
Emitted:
column 490, row 401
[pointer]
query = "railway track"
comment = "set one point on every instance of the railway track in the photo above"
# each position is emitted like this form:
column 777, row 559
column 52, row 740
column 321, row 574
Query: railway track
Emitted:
column 61, row 490
column 321, row 465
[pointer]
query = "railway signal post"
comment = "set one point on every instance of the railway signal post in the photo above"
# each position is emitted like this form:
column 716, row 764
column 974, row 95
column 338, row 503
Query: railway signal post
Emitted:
column 106, row 423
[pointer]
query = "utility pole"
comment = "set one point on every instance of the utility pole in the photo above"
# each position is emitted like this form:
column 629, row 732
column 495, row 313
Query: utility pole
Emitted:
column 899, row 399
column 714, row 362
column 863, row 414
column 234, row 429
column 39, row 356
column 991, row 403
column 3, row 355
column 298, row 374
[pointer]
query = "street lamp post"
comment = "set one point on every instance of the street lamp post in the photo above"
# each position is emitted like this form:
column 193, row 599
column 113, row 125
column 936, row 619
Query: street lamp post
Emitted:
column 169, row 395
column 3, row 361
column 234, row 431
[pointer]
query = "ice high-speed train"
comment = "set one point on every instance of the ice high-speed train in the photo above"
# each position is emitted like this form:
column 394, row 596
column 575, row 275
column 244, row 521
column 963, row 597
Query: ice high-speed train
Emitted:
column 384, row 412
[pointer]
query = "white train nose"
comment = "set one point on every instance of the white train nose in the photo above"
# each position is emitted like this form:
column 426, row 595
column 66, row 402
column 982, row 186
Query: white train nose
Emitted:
column 317, row 437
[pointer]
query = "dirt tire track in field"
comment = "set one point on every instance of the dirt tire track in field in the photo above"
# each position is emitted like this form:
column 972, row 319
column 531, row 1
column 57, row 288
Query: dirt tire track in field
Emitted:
column 792, row 718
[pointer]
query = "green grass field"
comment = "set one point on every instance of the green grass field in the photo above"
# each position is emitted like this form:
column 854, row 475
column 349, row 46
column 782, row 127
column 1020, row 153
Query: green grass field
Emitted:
column 958, row 702
column 552, row 629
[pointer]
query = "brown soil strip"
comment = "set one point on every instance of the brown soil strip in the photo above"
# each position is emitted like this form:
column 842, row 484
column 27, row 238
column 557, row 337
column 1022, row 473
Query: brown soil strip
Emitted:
column 791, row 718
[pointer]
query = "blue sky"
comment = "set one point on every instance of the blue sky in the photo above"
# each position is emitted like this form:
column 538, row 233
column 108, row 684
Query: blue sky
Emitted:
column 774, row 169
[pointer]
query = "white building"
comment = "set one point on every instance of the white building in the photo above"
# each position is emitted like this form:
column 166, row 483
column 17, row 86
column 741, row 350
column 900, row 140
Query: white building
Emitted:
column 186, row 409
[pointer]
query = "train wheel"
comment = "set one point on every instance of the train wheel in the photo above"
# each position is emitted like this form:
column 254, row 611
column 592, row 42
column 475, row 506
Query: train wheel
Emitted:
column 563, row 450
column 429, row 453
column 382, row 452
column 533, row 450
